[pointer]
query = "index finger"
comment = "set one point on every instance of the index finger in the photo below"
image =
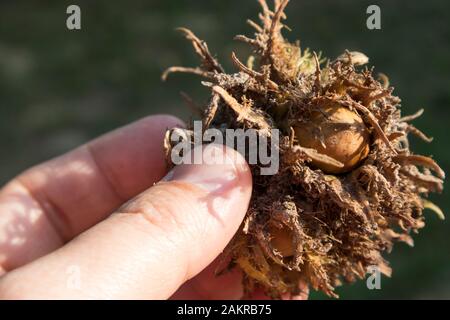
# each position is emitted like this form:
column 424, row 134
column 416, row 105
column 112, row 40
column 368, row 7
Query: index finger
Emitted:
column 48, row 205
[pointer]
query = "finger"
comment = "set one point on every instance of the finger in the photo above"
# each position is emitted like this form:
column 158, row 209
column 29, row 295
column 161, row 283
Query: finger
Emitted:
column 51, row 203
column 228, row 286
column 207, row 285
column 154, row 244
column 302, row 294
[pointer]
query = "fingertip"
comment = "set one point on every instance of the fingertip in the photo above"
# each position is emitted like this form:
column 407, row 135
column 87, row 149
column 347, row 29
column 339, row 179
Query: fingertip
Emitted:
column 165, row 120
column 216, row 164
column 224, row 177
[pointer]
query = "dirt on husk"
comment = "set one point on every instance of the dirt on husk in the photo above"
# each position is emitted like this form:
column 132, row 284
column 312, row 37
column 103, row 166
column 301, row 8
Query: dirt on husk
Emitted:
column 342, row 196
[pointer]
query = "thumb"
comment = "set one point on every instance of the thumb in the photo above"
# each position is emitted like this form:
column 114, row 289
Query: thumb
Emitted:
column 152, row 244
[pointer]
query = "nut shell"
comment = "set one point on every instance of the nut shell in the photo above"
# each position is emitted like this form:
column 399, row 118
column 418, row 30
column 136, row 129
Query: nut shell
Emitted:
column 337, row 132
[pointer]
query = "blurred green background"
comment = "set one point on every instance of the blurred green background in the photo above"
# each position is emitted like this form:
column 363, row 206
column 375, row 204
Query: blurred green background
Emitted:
column 60, row 88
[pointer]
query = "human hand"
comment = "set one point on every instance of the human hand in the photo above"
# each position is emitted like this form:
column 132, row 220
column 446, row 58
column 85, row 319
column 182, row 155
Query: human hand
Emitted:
column 55, row 219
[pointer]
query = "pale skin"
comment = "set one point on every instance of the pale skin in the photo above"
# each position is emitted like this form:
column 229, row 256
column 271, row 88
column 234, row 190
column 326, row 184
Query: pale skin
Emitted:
column 103, row 210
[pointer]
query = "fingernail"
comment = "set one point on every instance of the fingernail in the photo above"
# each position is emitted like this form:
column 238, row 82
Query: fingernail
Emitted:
column 218, row 169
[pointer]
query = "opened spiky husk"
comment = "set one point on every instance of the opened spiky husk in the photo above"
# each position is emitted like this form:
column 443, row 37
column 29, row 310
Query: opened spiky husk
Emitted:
column 337, row 224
